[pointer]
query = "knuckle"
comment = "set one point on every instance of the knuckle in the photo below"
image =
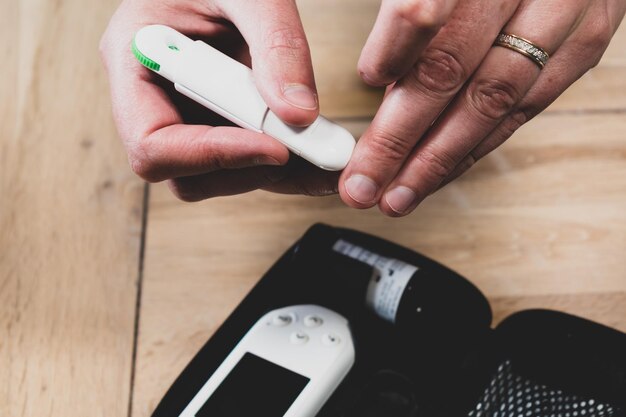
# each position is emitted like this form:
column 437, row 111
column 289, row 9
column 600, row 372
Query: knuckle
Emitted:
column 465, row 165
column 439, row 72
column 426, row 15
column 594, row 50
column 214, row 159
column 595, row 60
column 493, row 99
column 380, row 72
column 596, row 39
column 437, row 163
column 597, row 44
column 604, row 36
column 514, row 121
column 389, row 146
column 599, row 37
column 469, row 161
column 141, row 163
column 287, row 43
column 184, row 190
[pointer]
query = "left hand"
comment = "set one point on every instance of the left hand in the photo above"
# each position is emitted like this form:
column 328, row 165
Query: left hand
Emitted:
column 169, row 137
column 452, row 97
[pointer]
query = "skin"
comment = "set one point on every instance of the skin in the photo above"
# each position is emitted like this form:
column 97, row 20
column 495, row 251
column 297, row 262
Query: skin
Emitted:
column 457, row 98
column 452, row 97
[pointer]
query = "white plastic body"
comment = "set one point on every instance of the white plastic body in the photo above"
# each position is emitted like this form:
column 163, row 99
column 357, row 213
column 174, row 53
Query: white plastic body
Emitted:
column 227, row 87
column 324, row 365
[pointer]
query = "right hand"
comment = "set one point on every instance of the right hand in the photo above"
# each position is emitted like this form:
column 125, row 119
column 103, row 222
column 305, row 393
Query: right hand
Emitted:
column 168, row 137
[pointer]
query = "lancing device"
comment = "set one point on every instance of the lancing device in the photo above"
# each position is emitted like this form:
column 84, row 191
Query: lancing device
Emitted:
column 227, row 87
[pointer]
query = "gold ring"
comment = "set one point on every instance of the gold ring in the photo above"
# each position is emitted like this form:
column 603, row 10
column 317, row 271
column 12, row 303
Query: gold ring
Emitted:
column 524, row 47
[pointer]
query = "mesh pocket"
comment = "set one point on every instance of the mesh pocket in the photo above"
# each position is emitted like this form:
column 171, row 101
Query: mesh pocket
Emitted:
column 510, row 395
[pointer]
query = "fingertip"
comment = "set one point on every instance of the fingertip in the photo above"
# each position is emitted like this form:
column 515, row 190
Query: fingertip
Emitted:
column 280, row 158
column 185, row 190
column 269, row 151
column 290, row 108
column 268, row 160
column 388, row 211
column 375, row 74
column 350, row 202
column 399, row 201
column 359, row 191
column 300, row 96
column 402, row 31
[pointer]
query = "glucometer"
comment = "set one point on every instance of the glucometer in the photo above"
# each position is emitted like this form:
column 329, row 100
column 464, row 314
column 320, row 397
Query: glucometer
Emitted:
column 227, row 87
column 355, row 344
column 287, row 365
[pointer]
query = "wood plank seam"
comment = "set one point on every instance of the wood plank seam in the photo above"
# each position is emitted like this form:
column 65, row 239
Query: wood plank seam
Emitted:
column 140, row 267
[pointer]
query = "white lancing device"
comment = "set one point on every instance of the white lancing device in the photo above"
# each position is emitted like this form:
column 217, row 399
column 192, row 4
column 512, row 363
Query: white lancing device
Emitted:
column 227, row 87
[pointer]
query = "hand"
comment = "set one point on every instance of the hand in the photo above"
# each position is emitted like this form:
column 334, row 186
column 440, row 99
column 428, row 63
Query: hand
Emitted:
column 168, row 137
column 452, row 97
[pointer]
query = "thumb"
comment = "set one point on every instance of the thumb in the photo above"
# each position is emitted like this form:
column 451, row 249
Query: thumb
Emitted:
column 281, row 60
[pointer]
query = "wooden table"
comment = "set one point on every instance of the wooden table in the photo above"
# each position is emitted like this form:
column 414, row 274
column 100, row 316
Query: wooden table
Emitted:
column 108, row 287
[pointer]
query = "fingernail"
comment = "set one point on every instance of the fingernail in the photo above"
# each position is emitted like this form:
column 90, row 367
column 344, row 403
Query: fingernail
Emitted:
column 266, row 160
column 300, row 96
column 400, row 199
column 361, row 188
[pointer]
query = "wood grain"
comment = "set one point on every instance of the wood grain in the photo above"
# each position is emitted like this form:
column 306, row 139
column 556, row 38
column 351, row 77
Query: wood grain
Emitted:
column 539, row 223
column 70, row 216
column 337, row 31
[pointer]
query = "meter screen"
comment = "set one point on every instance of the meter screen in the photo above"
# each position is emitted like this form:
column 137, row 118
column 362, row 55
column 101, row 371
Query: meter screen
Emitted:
column 255, row 387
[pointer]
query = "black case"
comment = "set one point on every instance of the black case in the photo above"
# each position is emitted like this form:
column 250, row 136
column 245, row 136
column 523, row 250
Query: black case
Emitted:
column 534, row 363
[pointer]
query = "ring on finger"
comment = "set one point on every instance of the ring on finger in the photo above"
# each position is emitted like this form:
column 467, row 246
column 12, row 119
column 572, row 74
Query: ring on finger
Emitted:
column 525, row 47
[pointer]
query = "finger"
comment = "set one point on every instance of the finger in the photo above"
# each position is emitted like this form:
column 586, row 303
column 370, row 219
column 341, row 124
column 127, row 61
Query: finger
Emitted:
column 416, row 100
column 281, row 60
column 184, row 150
column 322, row 183
column 223, row 183
column 580, row 52
column 292, row 179
column 402, row 31
column 302, row 177
column 503, row 78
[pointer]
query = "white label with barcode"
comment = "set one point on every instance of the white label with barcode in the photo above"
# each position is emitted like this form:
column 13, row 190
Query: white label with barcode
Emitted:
column 388, row 283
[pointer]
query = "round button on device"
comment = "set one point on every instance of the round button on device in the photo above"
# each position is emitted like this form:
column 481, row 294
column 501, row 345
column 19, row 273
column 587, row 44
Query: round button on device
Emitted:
column 299, row 338
column 330, row 339
column 284, row 319
column 313, row 321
